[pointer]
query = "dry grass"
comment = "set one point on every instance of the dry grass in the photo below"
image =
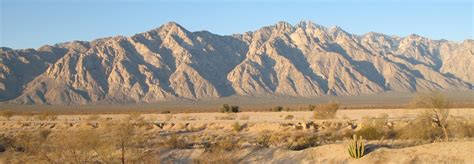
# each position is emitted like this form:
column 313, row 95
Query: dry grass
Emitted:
column 168, row 117
column 7, row 114
column 244, row 117
column 94, row 117
column 289, row 117
column 374, row 128
column 175, row 141
column 118, row 141
column 263, row 139
column 187, row 118
column 326, row 111
column 436, row 111
column 300, row 141
column 237, row 127
column 225, row 144
column 461, row 128
column 46, row 116
column 228, row 116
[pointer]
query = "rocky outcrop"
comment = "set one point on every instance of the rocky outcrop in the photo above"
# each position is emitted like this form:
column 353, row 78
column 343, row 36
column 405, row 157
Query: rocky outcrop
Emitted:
column 171, row 63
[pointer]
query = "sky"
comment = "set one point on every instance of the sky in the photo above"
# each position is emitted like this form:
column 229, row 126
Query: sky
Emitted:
column 33, row 23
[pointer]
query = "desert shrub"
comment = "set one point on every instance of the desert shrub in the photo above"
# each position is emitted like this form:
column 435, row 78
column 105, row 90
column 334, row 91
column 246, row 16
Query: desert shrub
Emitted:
column 244, row 117
column 280, row 138
column 263, row 139
column 300, row 141
column 125, row 135
column 237, row 127
column 166, row 112
column 289, row 117
column 374, row 128
column 176, row 142
column 6, row 142
column 79, row 147
column 326, row 111
column 334, row 133
column 461, row 127
column 436, row 110
column 235, row 109
column 226, row 108
column 72, row 146
column 227, row 143
column 311, row 107
column 44, row 133
column 7, row 114
column 370, row 133
column 419, row 129
column 135, row 119
column 28, row 142
column 117, row 142
column 219, row 153
column 278, row 109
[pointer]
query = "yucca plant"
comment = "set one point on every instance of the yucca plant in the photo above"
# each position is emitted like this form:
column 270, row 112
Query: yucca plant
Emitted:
column 356, row 147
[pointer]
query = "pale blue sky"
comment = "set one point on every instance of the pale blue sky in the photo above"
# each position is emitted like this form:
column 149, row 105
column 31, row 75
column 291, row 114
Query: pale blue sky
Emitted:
column 33, row 23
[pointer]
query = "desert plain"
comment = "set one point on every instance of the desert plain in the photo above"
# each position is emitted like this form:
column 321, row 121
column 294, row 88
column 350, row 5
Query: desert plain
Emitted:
column 274, row 135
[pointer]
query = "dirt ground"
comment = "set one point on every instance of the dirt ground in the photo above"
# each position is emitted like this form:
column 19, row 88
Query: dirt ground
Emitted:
column 214, row 125
column 451, row 152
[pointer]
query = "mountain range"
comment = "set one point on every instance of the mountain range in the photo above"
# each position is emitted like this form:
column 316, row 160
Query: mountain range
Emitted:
column 172, row 63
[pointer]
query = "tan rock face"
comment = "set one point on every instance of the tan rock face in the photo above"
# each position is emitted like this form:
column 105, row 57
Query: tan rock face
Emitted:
column 170, row 63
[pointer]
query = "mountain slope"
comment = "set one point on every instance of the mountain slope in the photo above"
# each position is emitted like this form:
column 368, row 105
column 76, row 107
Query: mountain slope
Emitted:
column 170, row 63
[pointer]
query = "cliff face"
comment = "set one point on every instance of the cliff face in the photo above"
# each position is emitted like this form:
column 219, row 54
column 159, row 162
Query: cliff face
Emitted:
column 172, row 63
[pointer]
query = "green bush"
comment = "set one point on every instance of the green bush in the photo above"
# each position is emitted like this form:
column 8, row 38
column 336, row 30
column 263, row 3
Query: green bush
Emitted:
column 278, row 109
column 226, row 108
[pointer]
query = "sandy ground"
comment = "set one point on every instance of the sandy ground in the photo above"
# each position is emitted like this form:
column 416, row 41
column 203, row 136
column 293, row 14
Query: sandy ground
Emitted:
column 255, row 117
column 459, row 151
column 451, row 152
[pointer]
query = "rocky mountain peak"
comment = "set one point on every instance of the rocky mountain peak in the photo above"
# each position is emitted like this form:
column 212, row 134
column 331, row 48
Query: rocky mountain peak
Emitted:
column 171, row 63
column 283, row 26
column 309, row 25
column 4, row 49
column 172, row 26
